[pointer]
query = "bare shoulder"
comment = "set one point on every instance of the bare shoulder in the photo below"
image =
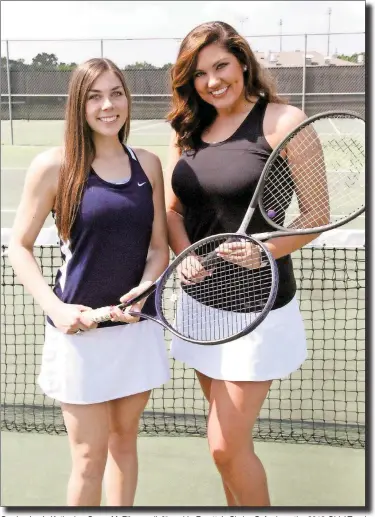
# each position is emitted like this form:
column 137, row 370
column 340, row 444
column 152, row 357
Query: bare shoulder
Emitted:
column 150, row 163
column 280, row 119
column 46, row 165
column 146, row 156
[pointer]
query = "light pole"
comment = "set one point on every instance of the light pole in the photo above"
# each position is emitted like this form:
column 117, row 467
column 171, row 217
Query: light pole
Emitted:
column 329, row 28
column 281, row 34
column 243, row 19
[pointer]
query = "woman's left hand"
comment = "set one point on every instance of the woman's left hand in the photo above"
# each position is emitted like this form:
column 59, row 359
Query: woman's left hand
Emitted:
column 242, row 253
column 123, row 315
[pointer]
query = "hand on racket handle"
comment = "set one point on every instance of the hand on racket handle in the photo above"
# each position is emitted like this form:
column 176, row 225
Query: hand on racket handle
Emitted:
column 70, row 318
column 191, row 271
column 243, row 253
column 128, row 315
column 125, row 311
column 186, row 312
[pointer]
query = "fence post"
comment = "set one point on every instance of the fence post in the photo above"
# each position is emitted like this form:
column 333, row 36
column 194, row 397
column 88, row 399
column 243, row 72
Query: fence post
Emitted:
column 304, row 74
column 101, row 49
column 9, row 95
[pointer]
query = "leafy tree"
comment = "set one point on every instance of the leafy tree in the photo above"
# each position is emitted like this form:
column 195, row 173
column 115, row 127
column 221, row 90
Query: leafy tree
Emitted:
column 13, row 64
column 45, row 60
column 66, row 66
column 141, row 66
column 352, row 59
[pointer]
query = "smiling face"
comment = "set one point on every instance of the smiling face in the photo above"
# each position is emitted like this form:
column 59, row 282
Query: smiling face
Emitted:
column 106, row 105
column 218, row 78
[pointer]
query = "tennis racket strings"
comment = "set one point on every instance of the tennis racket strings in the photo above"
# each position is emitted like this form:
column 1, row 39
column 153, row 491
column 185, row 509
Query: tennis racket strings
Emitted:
column 319, row 176
column 221, row 298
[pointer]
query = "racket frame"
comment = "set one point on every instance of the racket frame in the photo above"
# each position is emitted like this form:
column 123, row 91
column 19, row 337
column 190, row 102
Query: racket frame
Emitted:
column 226, row 237
column 159, row 284
column 256, row 199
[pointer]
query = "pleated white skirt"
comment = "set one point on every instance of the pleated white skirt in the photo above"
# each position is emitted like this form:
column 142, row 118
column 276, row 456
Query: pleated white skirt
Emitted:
column 275, row 349
column 103, row 364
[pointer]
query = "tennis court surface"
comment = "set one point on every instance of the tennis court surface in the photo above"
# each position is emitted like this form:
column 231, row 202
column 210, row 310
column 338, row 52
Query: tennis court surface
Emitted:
column 311, row 433
column 311, row 430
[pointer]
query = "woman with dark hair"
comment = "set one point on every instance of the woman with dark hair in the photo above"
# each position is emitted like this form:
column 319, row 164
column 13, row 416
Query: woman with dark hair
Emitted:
column 226, row 118
column 108, row 202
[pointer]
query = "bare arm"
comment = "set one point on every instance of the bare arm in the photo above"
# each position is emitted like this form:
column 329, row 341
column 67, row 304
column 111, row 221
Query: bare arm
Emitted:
column 309, row 176
column 158, row 252
column 177, row 236
column 36, row 203
column 37, row 200
column 286, row 122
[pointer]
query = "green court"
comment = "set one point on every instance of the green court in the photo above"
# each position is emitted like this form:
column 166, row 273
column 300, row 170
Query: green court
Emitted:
column 311, row 430
column 179, row 472
column 32, row 137
column 49, row 133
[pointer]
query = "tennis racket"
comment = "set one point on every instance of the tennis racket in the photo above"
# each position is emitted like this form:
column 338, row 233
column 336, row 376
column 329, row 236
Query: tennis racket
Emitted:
column 313, row 181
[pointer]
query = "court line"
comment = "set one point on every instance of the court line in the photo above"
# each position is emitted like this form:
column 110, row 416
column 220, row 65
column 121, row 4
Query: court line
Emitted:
column 147, row 126
column 5, row 169
column 151, row 133
column 145, row 121
column 332, row 215
column 343, row 132
column 334, row 127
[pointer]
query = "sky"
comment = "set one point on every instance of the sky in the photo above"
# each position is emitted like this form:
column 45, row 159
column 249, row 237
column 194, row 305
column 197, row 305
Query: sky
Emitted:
column 115, row 20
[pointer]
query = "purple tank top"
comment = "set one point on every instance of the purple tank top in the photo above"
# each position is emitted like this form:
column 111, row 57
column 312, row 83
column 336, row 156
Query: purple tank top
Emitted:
column 107, row 251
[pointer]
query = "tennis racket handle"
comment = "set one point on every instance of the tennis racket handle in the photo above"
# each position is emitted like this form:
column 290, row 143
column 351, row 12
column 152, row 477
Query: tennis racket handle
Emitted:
column 139, row 297
column 263, row 237
column 104, row 313
column 99, row 315
column 210, row 259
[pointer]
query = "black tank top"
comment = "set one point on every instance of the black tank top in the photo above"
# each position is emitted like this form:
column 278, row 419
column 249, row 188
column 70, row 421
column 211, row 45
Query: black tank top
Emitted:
column 215, row 184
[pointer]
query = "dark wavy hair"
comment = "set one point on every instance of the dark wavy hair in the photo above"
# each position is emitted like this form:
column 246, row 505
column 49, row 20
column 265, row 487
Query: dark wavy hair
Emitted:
column 190, row 115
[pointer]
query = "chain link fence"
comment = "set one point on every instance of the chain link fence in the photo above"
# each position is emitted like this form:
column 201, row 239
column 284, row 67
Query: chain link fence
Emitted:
column 35, row 77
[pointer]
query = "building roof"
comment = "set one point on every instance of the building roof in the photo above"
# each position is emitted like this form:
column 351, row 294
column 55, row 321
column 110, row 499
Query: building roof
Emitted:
column 295, row 58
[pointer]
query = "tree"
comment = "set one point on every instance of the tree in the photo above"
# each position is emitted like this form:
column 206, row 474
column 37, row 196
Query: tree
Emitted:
column 13, row 64
column 45, row 60
column 66, row 67
column 167, row 66
column 141, row 66
column 353, row 58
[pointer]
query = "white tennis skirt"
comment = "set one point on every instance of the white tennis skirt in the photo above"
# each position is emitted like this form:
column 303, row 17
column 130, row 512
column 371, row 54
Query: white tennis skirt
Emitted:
column 276, row 348
column 103, row 364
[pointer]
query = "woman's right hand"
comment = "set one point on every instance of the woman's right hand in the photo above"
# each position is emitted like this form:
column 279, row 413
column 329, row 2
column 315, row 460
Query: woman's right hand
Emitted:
column 191, row 271
column 70, row 318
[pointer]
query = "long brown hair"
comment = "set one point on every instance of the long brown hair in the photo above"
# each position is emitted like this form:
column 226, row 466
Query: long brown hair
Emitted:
column 79, row 148
column 190, row 115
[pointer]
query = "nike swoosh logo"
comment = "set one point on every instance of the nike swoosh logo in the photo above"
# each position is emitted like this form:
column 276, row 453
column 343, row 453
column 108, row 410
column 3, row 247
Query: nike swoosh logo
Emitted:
column 140, row 184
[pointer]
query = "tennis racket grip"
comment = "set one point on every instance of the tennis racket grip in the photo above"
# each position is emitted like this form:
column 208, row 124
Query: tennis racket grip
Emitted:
column 104, row 313
column 210, row 259
column 139, row 297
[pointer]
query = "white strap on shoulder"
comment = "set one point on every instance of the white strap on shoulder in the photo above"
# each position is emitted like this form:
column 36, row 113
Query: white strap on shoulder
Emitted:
column 132, row 154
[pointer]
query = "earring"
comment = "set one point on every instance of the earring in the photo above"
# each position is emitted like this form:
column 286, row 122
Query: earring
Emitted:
column 245, row 68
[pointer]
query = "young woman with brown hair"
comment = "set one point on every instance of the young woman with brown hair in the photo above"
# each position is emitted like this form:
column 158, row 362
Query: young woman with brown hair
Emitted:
column 108, row 201
column 226, row 118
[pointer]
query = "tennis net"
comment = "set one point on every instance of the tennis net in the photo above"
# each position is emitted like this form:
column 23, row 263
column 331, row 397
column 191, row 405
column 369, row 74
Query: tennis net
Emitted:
column 322, row 402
